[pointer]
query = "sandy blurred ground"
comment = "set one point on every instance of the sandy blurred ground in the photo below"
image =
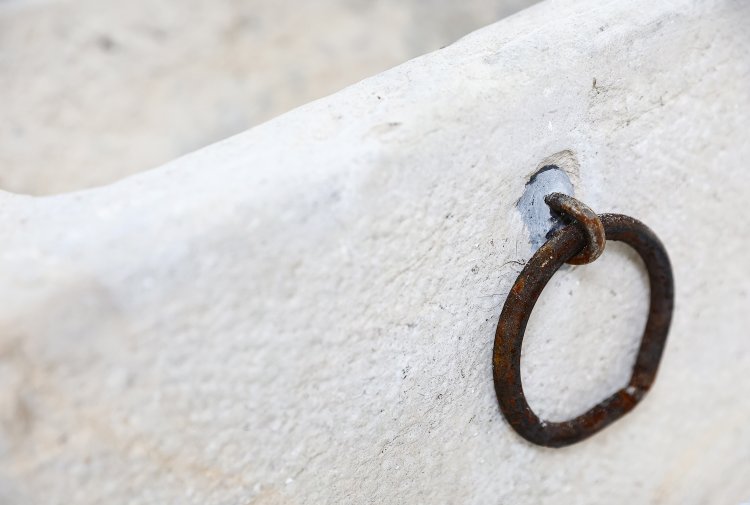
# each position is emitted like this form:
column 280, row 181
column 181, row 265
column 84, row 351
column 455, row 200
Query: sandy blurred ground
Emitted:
column 94, row 90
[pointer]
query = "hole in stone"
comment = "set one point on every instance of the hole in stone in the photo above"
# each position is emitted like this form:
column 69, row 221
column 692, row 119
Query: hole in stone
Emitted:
column 536, row 214
column 583, row 334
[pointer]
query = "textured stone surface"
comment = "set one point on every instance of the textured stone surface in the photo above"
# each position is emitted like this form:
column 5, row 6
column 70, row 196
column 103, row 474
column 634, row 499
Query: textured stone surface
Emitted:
column 304, row 313
column 94, row 90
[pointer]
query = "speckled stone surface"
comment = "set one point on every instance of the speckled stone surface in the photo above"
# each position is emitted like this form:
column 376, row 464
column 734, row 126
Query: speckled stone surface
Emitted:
column 94, row 90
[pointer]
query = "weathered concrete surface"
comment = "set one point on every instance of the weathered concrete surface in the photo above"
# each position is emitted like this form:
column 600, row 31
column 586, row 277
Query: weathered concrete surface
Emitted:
column 304, row 313
column 94, row 90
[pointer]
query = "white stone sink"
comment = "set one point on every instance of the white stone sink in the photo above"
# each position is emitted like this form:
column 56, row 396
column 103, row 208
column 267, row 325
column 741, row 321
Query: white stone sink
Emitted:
column 304, row 313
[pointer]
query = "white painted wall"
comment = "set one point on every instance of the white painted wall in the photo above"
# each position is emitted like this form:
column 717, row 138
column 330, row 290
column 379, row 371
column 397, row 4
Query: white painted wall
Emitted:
column 304, row 313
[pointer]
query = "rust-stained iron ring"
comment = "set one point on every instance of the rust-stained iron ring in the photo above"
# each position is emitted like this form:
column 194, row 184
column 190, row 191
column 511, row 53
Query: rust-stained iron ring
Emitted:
column 587, row 218
column 506, row 359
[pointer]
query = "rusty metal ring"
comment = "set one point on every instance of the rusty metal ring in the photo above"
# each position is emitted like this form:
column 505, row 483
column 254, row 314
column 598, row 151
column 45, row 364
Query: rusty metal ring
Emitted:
column 587, row 219
column 506, row 359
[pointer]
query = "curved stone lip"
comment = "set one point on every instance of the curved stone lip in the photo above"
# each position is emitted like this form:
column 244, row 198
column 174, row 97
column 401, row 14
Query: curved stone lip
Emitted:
column 521, row 299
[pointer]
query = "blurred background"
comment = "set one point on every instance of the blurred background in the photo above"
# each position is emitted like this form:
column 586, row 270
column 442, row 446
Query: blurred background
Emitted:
column 94, row 90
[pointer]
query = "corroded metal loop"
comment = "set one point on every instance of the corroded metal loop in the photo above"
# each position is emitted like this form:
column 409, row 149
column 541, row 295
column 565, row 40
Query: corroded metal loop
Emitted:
column 506, row 358
column 587, row 219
